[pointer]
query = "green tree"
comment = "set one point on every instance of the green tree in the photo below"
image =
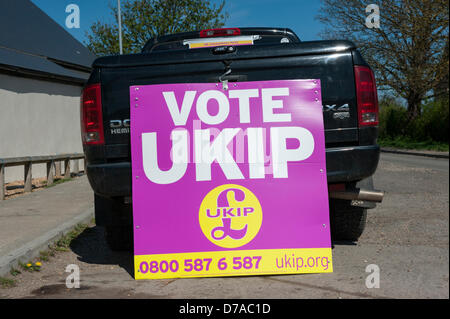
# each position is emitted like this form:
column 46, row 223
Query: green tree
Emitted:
column 408, row 51
column 145, row 19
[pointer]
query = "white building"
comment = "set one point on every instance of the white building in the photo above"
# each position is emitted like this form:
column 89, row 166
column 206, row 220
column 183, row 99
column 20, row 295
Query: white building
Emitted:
column 42, row 71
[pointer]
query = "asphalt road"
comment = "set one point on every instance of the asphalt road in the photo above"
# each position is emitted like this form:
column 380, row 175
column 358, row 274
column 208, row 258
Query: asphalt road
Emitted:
column 407, row 237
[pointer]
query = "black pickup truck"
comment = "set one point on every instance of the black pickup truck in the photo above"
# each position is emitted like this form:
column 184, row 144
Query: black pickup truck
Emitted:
column 350, row 111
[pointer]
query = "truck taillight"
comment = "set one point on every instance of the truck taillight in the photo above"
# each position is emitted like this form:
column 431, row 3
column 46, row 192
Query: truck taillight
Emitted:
column 366, row 95
column 91, row 115
column 224, row 32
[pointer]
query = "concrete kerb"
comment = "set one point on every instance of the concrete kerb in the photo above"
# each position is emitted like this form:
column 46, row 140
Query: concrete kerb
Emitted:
column 32, row 249
column 416, row 153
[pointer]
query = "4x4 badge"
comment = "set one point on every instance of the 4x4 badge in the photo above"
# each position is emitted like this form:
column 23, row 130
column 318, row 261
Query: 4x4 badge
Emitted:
column 343, row 108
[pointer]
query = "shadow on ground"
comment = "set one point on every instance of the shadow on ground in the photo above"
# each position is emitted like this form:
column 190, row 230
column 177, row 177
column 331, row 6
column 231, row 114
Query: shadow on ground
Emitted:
column 91, row 248
column 335, row 242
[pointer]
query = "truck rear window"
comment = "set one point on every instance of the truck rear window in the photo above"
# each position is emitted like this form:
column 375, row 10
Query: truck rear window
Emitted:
column 214, row 42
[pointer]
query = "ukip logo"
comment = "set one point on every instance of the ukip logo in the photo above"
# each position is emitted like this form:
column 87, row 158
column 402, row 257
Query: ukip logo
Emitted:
column 230, row 216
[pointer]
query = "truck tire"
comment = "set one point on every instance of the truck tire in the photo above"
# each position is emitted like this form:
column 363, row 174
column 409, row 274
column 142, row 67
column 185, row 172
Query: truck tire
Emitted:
column 347, row 221
column 116, row 217
column 119, row 237
column 103, row 207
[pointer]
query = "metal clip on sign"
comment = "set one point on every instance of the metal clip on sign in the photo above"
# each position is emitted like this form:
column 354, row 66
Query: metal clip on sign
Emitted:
column 224, row 82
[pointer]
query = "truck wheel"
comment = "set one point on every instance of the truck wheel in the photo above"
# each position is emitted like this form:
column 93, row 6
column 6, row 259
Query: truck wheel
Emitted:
column 347, row 222
column 103, row 208
column 119, row 238
column 116, row 217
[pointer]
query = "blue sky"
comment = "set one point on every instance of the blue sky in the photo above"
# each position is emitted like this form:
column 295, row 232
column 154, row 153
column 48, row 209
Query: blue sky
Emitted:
column 295, row 14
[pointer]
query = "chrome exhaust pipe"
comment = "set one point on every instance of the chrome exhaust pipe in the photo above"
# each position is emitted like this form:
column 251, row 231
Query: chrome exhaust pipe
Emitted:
column 359, row 194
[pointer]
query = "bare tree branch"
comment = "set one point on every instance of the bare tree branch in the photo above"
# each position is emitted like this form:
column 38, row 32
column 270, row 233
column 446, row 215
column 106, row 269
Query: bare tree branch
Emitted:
column 409, row 52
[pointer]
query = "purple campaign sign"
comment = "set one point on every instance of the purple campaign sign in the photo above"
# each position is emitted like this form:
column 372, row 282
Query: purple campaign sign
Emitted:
column 219, row 173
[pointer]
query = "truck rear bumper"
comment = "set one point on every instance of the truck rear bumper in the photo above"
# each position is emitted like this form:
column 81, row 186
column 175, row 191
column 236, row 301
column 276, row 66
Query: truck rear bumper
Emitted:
column 344, row 164
column 350, row 164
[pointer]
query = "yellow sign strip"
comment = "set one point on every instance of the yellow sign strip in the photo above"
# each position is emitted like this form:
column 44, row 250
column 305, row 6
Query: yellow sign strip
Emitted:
column 234, row 263
column 218, row 44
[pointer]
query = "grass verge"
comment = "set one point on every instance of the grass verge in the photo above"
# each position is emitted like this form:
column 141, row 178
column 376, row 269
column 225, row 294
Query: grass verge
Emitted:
column 58, row 181
column 407, row 143
column 63, row 243
column 7, row 282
